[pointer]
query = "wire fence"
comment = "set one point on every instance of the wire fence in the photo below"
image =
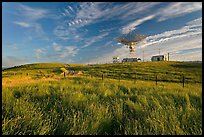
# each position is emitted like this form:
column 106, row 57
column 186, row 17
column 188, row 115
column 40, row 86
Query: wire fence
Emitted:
column 156, row 77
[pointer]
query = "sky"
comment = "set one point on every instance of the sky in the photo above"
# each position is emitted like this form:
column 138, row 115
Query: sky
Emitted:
column 86, row 32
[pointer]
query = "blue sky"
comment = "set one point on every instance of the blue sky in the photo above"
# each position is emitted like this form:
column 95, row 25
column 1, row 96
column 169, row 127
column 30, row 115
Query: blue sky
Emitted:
column 86, row 32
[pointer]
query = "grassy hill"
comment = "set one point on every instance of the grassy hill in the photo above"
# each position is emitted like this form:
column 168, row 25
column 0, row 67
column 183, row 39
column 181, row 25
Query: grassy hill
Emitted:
column 165, row 71
column 37, row 99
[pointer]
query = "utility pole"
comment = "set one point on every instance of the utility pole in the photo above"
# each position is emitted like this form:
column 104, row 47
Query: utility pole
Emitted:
column 159, row 51
column 143, row 55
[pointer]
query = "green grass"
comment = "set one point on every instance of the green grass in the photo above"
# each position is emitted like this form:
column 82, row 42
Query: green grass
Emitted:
column 166, row 71
column 89, row 106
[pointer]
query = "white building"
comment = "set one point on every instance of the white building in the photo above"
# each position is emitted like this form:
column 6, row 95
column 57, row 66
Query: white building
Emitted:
column 131, row 60
column 157, row 58
column 116, row 59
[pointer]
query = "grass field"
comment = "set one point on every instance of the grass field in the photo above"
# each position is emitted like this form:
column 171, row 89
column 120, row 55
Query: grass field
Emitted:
column 38, row 100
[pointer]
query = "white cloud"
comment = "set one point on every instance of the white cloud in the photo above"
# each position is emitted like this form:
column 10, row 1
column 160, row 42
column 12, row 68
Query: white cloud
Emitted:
column 90, row 12
column 22, row 24
column 69, row 51
column 187, row 38
column 195, row 23
column 39, row 52
column 171, row 11
column 94, row 39
column 11, row 61
column 108, row 43
column 135, row 9
column 32, row 13
column 66, row 33
column 108, row 29
column 66, row 12
column 86, row 13
column 191, row 28
column 56, row 46
column 175, row 47
column 132, row 26
column 40, row 33
column 64, row 51
column 197, row 56
column 71, row 8
column 62, row 32
column 176, row 9
column 28, row 17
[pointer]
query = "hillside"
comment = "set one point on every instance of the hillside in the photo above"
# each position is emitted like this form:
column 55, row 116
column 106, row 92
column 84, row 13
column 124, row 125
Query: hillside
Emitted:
column 165, row 71
column 38, row 100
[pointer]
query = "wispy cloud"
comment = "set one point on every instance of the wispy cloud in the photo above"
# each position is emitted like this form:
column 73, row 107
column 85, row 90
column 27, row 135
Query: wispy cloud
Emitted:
column 75, row 17
column 188, row 56
column 39, row 52
column 22, row 24
column 56, row 46
column 94, row 39
column 68, row 33
column 176, row 42
column 69, row 51
column 191, row 28
column 92, row 12
column 132, row 26
column 87, row 13
column 32, row 13
column 176, row 9
column 10, row 61
column 171, row 11
column 108, row 29
column 64, row 51
column 130, row 10
column 29, row 18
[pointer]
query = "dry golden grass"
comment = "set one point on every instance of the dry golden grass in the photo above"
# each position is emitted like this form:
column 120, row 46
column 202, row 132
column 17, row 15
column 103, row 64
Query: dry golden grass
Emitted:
column 18, row 81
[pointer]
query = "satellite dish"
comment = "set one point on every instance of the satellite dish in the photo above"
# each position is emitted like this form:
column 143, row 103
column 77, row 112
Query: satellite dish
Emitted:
column 130, row 40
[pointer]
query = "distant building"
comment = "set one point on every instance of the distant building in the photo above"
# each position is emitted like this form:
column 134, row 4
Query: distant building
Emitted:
column 116, row 59
column 157, row 58
column 131, row 60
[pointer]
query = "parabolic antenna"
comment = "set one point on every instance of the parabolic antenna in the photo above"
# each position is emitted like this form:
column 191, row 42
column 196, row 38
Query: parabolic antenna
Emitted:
column 130, row 40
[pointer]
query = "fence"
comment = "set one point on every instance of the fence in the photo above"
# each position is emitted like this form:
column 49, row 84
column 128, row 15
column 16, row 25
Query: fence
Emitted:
column 157, row 77
column 32, row 74
column 183, row 79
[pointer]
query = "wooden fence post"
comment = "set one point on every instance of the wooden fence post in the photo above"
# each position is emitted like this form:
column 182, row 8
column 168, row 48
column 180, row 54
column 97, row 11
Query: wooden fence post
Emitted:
column 156, row 80
column 123, row 119
column 119, row 77
column 102, row 76
column 64, row 75
column 183, row 81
